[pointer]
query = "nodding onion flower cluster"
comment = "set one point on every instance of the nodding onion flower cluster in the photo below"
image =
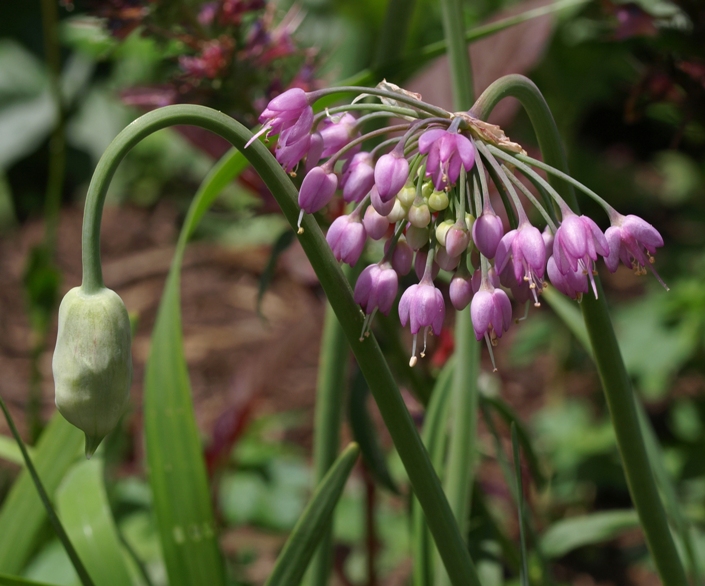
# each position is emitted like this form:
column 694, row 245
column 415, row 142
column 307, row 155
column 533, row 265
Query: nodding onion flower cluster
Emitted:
column 428, row 178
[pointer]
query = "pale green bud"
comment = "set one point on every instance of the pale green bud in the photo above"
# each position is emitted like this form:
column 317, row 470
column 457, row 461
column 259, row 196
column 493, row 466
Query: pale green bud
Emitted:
column 92, row 362
column 398, row 212
column 438, row 201
column 407, row 196
column 419, row 215
column 442, row 231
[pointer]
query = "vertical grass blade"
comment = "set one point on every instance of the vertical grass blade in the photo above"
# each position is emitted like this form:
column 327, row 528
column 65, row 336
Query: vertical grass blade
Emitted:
column 299, row 548
column 84, row 510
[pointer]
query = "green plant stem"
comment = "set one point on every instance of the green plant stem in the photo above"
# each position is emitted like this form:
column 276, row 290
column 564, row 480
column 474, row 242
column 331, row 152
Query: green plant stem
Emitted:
column 401, row 427
column 458, row 57
column 53, row 518
column 462, row 452
column 332, row 374
column 392, row 37
column 613, row 374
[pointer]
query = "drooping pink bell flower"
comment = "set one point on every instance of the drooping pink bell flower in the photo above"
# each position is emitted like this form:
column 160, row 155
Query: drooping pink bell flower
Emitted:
column 576, row 245
column 447, row 152
column 316, row 191
column 346, row 238
column 573, row 284
column 285, row 111
column 491, row 312
column 338, row 132
column 526, row 249
column 391, row 173
column 376, row 288
column 422, row 306
column 633, row 241
column 384, row 208
column 358, row 177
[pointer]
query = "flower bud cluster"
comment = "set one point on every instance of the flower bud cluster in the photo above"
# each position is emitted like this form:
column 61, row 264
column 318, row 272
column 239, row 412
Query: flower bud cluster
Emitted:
column 425, row 189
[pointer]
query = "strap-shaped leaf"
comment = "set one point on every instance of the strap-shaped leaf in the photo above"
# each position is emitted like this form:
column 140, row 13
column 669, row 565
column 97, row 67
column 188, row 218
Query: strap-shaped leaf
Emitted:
column 83, row 506
column 16, row 581
column 302, row 542
column 22, row 514
column 177, row 472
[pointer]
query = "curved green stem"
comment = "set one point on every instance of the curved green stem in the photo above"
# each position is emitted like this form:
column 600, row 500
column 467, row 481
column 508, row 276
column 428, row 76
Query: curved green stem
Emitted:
column 608, row 358
column 401, row 427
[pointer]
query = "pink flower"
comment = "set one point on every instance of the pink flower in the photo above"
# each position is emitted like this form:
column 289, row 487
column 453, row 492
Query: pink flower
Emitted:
column 633, row 241
column 527, row 250
column 316, row 190
column 460, row 290
column 391, row 173
column 573, row 284
column 487, row 231
column 285, row 111
column 375, row 225
column 576, row 245
column 491, row 312
column 447, row 152
column 422, row 306
column 346, row 238
column 358, row 177
column 337, row 133
column 376, row 288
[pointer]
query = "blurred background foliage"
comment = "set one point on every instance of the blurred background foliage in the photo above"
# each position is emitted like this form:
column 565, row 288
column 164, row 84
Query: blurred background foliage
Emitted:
column 626, row 83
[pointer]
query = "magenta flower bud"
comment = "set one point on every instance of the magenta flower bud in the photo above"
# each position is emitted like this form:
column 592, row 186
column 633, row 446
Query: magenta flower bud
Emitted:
column 376, row 288
column 547, row 236
column 391, row 173
column 460, row 290
column 444, row 260
column 457, row 239
column 375, row 225
column 317, row 190
column 422, row 306
column 384, row 208
column 633, row 241
column 527, row 250
column 402, row 257
column 358, row 177
column 576, row 245
column 337, row 132
column 285, row 111
column 487, row 231
column 490, row 311
column 573, row 284
column 420, row 265
column 447, row 152
column 346, row 238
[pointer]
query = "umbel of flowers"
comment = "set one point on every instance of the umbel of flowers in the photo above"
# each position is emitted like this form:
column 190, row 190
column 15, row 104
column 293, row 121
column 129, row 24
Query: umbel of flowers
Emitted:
column 423, row 185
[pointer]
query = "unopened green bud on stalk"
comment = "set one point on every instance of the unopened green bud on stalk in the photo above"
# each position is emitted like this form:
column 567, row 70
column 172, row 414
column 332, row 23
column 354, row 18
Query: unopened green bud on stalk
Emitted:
column 438, row 201
column 407, row 196
column 92, row 362
column 419, row 215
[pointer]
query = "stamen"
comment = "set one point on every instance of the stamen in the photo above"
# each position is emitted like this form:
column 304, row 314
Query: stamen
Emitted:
column 300, row 230
column 413, row 360
column 425, row 335
column 489, row 347
column 526, row 313
column 259, row 133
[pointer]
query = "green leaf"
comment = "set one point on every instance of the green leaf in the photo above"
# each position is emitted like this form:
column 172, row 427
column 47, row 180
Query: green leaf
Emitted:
column 365, row 434
column 521, row 507
column 22, row 514
column 15, row 581
column 299, row 548
column 177, row 473
column 569, row 534
column 434, row 438
column 83, row 506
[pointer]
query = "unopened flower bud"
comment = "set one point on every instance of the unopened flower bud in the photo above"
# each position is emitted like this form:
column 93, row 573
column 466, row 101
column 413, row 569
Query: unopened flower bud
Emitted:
column 442, row 231
column 391, row 173
column 420, row 265
column 402, row 257
column 460, row 290
column 92, row 362
column 419, row 215
column 346, row 238
column 407, row 196
column 317, row 190
column 438, row 201
column 375, row 225
column 457, row 239
column 445, row 260
column 358, row 177
column 417, row 237
column 383, row 207
column 398, row 212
